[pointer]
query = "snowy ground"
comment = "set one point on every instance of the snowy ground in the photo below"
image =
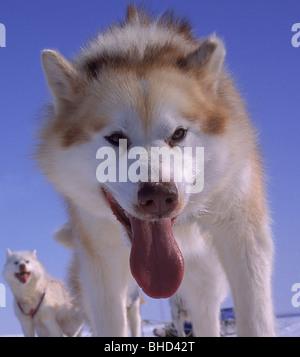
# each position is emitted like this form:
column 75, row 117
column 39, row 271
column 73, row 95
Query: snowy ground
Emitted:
column 287, row 326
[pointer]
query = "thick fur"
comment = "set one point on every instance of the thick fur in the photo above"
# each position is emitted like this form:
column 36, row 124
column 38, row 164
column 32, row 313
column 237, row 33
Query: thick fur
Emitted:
column 65, row 236
column 146, row 77
column 56, row 315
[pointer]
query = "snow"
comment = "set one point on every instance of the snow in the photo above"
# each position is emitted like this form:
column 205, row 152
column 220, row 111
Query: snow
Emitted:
column 288, row 325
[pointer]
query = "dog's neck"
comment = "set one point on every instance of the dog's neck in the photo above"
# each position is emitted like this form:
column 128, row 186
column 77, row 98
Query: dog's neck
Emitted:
column 31, row 311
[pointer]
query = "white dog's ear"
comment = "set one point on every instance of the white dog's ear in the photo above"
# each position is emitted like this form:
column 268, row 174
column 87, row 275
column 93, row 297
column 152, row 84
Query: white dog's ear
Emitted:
column 8, row 252
column 207, row 60
column 61, row 78
column 34, row 253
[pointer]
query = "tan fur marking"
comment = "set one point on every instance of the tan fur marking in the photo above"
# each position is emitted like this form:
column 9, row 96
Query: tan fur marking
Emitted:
column 214, row 124
column 74, row 135
column 154, row 56
column 170, row 53
column 72, row 129
column 195, row 104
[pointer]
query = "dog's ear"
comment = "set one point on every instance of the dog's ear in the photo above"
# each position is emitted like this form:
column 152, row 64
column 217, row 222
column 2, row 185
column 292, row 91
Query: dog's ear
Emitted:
column 61, row 78
column 207, row 60
column 8, row 252
column 34, row 253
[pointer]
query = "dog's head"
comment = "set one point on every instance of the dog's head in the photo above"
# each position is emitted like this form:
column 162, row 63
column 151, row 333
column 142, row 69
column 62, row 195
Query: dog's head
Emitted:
column 114, row 116
column 20, row 268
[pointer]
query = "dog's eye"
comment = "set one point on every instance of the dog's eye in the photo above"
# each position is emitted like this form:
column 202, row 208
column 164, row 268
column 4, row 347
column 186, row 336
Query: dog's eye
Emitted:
column 115, row 137
column 16, row 262
column 179, row 134
column 27, row 262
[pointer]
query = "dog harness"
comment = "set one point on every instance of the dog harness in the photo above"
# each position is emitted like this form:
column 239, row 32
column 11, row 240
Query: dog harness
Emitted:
column 33, row 311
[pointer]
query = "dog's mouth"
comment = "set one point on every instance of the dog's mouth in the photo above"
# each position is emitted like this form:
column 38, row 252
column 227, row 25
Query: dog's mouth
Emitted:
column 23, row 276
column 119, row 213
column 156, row 261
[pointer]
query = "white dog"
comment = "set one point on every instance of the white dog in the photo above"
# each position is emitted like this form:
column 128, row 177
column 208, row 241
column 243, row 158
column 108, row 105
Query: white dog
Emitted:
column 42, row 304
column 144, row 88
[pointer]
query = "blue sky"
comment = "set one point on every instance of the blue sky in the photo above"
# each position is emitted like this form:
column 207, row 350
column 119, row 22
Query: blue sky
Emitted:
column 261, row 58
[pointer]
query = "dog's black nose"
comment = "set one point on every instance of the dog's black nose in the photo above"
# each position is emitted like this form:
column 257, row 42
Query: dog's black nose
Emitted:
column 157, row 198
column 22, row 267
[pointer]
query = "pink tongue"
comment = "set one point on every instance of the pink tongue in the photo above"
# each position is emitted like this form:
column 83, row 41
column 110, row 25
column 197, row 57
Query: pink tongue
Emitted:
column 156, row 262
column 24, row 278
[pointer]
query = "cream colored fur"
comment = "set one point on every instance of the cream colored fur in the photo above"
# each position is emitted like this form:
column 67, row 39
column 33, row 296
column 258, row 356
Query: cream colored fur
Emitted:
column 65, row 236
column 57, row 315
column 223, row 231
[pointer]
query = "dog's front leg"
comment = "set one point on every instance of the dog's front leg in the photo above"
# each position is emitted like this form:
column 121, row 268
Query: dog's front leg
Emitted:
column 25, row 321
column 246, row 251
column 27, row 326
column 103, row 280
column 52, row 327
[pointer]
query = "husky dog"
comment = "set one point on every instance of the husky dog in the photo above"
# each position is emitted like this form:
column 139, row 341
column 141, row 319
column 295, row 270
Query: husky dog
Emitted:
column 42, row 304
column 148, row 84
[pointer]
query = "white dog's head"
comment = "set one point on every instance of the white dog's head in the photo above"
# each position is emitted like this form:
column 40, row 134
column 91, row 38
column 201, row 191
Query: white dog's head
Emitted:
column 21, row 269
column 130, row 94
